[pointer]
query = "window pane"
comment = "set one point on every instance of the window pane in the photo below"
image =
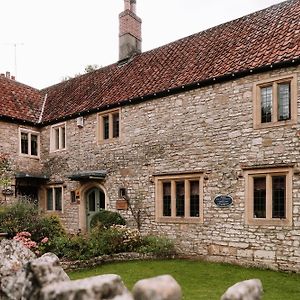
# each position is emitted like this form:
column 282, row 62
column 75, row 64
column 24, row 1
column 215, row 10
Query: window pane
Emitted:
column 92, row 201
column 49, row 199
column 115, row 125
column 63, row 137
column 180, row 199
column 167, row 199
column 58, row 194
column 278, row 196
column 56, row 138
column 266, row 104
column 284, row 101
column 34, row 144
column 24, row 143
column 194, row 198
column 105, row 127
column 259, row 200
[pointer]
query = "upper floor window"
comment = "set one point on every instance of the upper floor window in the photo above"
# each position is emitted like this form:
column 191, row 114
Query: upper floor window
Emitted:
column 275, row 102
column 269, row 196
column 179, row 198
column 54, row 197
column 109, row 125
column 58, row 137
column 29, row 142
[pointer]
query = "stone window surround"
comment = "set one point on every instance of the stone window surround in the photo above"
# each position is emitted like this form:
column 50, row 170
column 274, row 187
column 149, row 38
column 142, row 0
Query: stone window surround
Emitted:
column 292, row 79
column 29, row 132
column 249, row 174
column 100, row 128
column 52, row 137
column 159, row 179
column 53, row 186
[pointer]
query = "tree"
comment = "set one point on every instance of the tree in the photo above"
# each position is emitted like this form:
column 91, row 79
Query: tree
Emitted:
column 87, row 69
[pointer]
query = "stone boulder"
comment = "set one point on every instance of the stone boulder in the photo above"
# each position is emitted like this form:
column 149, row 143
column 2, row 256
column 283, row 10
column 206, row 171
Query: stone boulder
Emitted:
column 40, row 273
column 108, row 287
column 163, row 287
column 14, row 256
column 245, row 290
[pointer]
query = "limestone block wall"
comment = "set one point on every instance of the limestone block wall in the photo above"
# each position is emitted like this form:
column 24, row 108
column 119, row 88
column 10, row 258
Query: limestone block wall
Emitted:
column 208, row 129
column 10, row 147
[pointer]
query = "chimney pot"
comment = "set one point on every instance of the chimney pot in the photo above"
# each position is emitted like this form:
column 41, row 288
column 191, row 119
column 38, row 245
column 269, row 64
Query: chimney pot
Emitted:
column 13, row 77
column 8, row 75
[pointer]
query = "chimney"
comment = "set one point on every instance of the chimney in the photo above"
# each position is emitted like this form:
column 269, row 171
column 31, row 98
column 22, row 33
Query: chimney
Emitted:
column 130, row 36
column 7, row 75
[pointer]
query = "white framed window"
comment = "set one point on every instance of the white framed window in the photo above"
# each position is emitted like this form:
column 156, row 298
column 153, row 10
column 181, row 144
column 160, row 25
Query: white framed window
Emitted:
column 179, row 198
column 275, row 102
column 109, row 125
column 269, row 196
column 58, row 137
column 29, row 142
column 54, row 198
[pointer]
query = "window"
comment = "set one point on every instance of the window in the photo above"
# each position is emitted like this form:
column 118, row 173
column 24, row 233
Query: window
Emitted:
column 54, row 198
column 109, row 125
column 275, row 102
column 29, row 142
column 269, row 196
column 58, row 137
column 179, row 198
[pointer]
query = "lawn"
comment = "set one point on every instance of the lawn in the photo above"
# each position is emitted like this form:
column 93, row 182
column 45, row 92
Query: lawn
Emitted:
column 201, row 280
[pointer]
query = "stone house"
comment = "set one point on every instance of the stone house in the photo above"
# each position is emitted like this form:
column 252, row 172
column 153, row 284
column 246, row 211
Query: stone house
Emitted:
column 199, row 137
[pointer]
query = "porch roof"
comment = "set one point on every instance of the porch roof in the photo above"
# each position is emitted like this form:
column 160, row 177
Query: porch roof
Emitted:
column 23, row 175
column 88, row 175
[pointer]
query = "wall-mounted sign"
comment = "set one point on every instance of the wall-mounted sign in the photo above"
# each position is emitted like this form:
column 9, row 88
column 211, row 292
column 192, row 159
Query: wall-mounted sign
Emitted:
column 223, row 200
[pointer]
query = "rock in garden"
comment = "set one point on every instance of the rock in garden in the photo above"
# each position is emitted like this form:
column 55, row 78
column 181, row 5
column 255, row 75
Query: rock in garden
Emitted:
column 163, row 287
column 246, row 290
column 14, row 256
column 42, row 272
column 93, row 288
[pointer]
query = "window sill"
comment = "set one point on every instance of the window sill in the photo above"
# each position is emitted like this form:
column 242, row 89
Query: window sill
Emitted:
column 58, row 150
column 37, row 157
column 269, row 222
column 108, row 141
column 180, row 220
column 274, row 124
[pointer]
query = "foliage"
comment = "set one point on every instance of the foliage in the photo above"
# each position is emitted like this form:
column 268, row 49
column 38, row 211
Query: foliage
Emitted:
column 159, row 246
column 106, row 218
column 24, row 216
column 5, row 169
column 71, row 247
column 200, row 280
column 115, row 239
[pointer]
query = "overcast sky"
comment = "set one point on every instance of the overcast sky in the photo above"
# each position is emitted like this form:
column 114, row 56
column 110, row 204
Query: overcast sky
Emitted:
column 58, row 38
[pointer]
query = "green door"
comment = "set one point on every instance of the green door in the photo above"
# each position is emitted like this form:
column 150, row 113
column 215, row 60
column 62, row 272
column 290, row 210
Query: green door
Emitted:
column 95, row 200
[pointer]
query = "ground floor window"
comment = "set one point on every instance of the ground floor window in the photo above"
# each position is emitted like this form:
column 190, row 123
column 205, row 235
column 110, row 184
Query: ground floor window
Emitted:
column 54, row 198
column 179, row 198
column 269, row 196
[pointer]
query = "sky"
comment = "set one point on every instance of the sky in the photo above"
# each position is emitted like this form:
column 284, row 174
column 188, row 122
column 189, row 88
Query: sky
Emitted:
column 43, row 41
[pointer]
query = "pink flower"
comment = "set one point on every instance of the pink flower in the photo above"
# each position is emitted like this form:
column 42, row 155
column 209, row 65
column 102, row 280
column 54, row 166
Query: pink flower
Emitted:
column 44, row 240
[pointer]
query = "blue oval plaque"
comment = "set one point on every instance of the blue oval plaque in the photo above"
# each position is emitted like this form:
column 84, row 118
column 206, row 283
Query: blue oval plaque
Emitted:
column 223, row 200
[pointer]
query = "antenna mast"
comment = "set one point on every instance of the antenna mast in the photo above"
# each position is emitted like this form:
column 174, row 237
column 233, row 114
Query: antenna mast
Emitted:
column 15, row 45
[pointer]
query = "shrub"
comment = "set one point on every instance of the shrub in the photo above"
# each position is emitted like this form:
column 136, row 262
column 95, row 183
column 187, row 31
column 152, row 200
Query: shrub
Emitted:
column 106, row 218
column 18, row 217
column 70, row 247
column 160, row 246
column 117, row 238
column 23, row 216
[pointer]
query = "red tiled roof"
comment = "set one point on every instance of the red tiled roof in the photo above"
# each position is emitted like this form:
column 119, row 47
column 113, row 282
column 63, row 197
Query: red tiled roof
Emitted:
column 19, row 101
column 263, row 38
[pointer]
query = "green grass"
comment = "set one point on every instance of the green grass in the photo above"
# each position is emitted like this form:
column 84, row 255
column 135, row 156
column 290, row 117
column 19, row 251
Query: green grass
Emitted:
column 201, row 280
